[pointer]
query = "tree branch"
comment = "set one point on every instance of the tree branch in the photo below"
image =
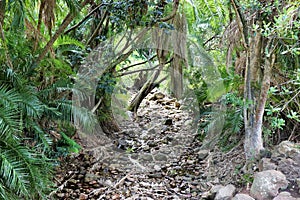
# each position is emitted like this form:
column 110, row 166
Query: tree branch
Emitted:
column 85, row 18
column 97, row 28
column 241, row 21
column 136, row 64
column 68, row 19
column 175, row 8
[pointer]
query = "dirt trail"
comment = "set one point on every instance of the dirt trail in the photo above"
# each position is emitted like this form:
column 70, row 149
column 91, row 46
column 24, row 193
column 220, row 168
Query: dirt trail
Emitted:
column 157, row 156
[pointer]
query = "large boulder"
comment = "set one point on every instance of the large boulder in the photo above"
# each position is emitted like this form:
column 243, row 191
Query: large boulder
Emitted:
column 267, row 183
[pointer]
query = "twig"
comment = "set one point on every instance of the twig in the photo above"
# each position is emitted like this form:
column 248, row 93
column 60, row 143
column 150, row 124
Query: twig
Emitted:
column 174, row 11
column 136, row 71
column 121, row 181
column 289, row 101
column 136, row 64
column 97, row 191
column 61, row 186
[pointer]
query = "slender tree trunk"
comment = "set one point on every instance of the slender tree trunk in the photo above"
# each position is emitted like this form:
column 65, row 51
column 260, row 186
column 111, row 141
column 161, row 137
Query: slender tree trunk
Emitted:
column 144, row 91
column 2, row 11
column 179, row 41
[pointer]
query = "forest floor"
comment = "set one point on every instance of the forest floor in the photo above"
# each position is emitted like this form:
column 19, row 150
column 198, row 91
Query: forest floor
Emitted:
column 157, row 156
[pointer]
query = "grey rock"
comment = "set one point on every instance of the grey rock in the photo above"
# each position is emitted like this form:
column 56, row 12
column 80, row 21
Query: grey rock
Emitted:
column 284, row 196
column 287, row 149
column 146, row 157
column 242, row 197
column 202, row 154
column 160, row 157
column 226, row 193
column 266, row 164
column 267, row 183
column 212, row 192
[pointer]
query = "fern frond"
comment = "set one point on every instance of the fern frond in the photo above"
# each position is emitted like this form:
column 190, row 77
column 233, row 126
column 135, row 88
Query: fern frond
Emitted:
column 67, row 40
column 30, row 104
column 9, row 122
column 8, row 97
column 13, row 171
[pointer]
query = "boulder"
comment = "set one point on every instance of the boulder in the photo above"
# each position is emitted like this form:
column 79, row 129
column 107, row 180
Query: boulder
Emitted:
column 242, row 197
column 267, row 183
column 225, row 193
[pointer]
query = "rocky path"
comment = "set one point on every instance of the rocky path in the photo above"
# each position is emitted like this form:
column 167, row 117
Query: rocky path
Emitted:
column 158, row 156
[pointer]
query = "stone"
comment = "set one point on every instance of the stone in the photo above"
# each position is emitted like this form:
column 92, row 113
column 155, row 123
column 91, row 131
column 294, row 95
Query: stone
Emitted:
column 267, row 183
column 226, row 193
column 158, row 95
column 212, row 192
column 157, row 168
column 168, row 122
column 202, row 154
column 287, row 149
column 290, row 168
column 160, row 157
column 266, row 164
column 83, row 196
column 284, row 196
column 242, row 197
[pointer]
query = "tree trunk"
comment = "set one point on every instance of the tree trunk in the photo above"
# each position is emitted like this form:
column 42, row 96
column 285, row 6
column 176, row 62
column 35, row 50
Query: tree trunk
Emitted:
column 2, row 11
column 144, row 91
column 176, row 77
column 179, row 40
column 105, row 115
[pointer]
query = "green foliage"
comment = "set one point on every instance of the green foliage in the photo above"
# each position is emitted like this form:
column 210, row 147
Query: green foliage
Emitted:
column 67, row 145
column 230, row 135
column 24, row 172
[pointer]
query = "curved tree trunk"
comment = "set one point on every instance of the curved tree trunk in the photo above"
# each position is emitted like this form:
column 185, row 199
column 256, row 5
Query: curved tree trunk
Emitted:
column 105, row 115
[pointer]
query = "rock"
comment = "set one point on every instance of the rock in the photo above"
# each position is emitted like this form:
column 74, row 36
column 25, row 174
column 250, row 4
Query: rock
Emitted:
column 157, row 95
column 202, row 154
column 286, row 149
column 290, row 168
column 160, row 157
column 83, row 196
column 284, row 196
column 177, row 105
column 225, row 193
column 266, row 164
column 157, row 168
column 242, row 197
column 168, row 122
column 267, row 183
column 212, row 192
